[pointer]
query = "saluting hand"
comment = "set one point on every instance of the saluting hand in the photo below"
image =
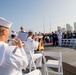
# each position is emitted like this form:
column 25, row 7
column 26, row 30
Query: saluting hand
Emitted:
column 18, row 42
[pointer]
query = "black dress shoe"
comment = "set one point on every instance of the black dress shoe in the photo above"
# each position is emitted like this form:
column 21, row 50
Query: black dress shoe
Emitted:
column 24, row 71
column 39, row 67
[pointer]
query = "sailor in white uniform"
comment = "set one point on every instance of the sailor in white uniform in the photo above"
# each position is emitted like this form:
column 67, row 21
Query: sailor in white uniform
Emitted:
column 30, row 46
column 59, row 37
column 22, row 35
column 12, row 59
column 12, row 41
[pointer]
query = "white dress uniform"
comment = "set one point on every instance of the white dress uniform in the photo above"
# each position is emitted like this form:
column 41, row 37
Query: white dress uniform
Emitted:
column 12, row 40
column 35, row 72
column 59, row 38
column 12, row 62
column 22, row 36
column 12, row 59
column 29, row 46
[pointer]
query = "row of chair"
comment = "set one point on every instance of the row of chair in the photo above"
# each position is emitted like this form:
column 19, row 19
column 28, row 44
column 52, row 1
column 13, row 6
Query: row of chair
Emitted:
column 55, row 62
column 68, row 42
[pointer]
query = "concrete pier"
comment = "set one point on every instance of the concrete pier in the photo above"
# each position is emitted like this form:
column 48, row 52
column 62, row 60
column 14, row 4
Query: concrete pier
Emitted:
column 68, row 58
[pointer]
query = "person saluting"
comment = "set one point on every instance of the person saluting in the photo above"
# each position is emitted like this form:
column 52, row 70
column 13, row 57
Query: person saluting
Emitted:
column 12, row 58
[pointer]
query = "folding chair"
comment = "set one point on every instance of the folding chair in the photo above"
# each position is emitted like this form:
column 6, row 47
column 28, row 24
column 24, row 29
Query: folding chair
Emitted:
column 56, row 62
column 31, row 61
column 35, row 71
column 74, row 44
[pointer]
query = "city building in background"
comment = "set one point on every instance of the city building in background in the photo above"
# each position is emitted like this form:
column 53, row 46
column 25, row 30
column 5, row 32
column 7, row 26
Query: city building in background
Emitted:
column 74, row 26
column 63, row 29
column 68, row 27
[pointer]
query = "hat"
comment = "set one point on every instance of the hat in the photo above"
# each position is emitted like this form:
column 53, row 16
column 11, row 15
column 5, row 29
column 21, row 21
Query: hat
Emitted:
column 5, row 23
column 14, row 33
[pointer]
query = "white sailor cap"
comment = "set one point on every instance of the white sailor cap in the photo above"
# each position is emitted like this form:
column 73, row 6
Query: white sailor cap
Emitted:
column 14, row 33
column 5, row 23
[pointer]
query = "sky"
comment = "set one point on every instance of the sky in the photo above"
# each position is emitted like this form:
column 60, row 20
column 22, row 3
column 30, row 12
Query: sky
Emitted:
column 38, row 15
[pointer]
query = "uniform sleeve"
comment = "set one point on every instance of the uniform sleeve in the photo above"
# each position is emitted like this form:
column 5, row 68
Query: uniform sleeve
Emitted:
column 35, row 44
column 19, row 59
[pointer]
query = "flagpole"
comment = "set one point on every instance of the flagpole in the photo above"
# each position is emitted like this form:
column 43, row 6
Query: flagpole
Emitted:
column 43, row 24
column 50, row 24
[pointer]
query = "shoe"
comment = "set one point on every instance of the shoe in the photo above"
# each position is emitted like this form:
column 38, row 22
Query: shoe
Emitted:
column 39, row 67
column 24, row 71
